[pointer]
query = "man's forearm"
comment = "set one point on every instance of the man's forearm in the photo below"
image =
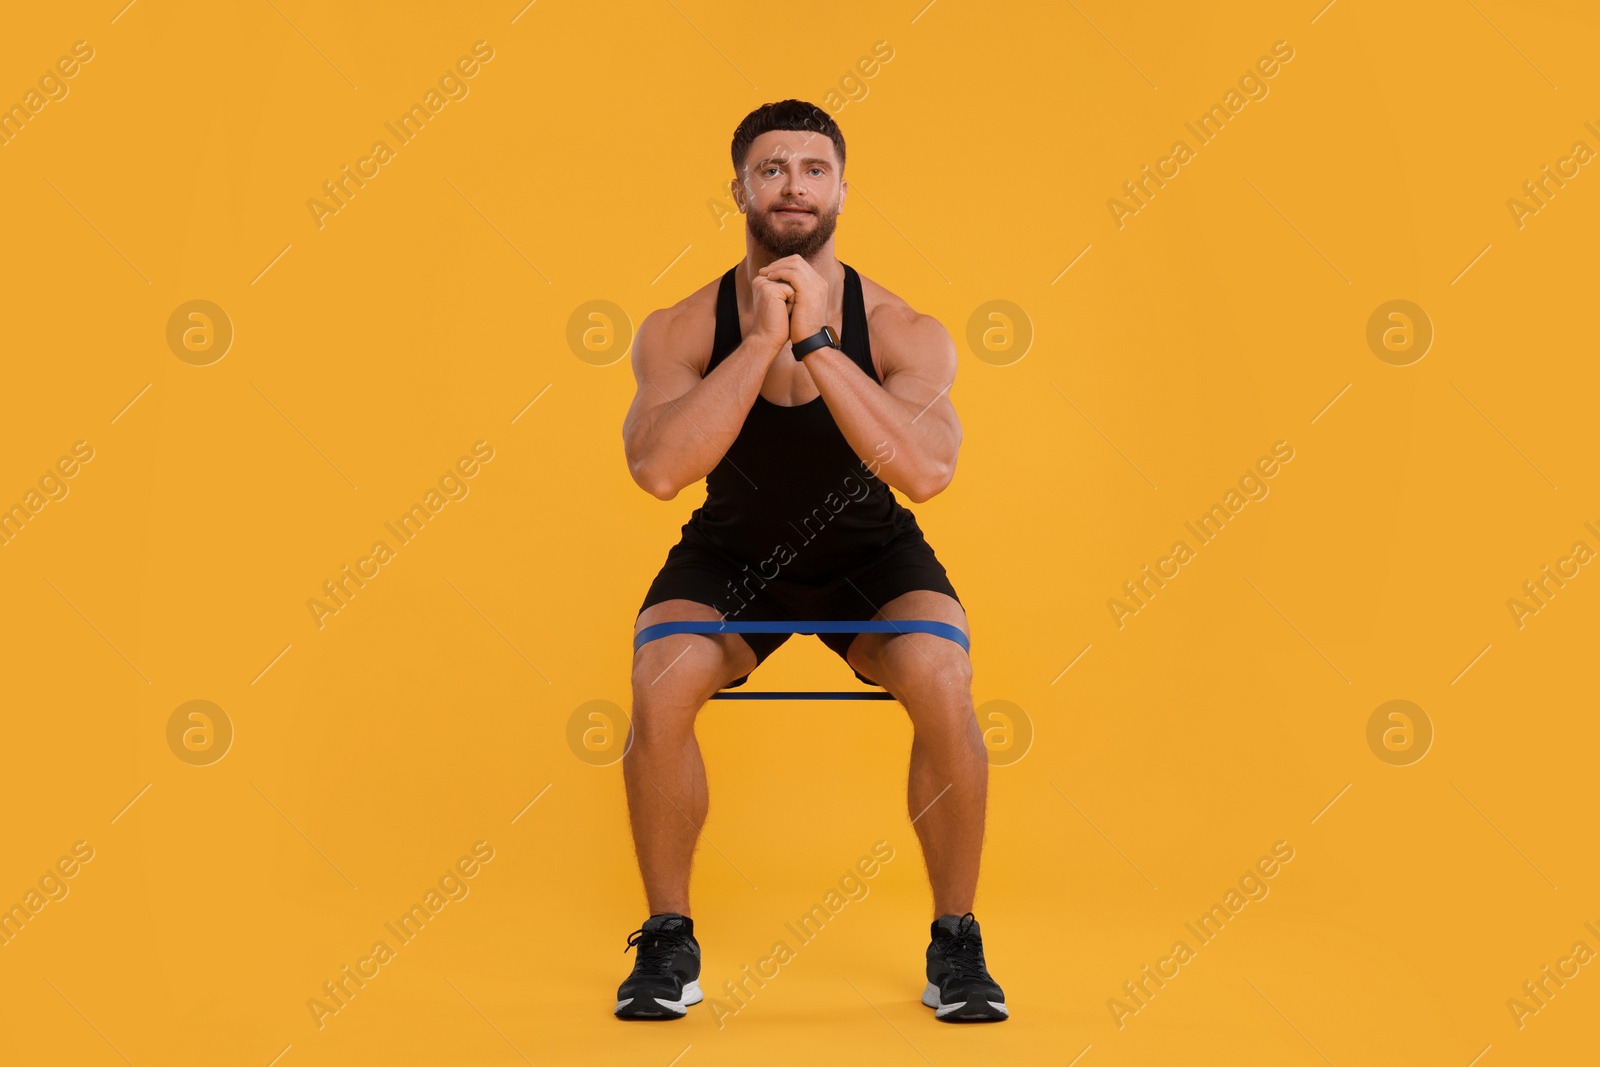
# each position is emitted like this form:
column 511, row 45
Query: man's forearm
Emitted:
column 923, row 451
column 681, row 439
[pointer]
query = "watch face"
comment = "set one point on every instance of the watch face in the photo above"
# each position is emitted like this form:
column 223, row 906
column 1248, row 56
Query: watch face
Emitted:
column 833, row 338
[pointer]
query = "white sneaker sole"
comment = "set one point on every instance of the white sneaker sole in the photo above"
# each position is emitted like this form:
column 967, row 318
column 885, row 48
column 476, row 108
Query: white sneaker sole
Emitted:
column 930, row 997
column 691, row 995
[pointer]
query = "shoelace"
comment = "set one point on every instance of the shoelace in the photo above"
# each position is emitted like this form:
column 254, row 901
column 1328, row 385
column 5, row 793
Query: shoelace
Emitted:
column 963, row 951
column 657, row 948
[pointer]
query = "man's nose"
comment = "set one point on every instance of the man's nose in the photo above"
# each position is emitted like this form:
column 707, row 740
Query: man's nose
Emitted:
column 792, row 184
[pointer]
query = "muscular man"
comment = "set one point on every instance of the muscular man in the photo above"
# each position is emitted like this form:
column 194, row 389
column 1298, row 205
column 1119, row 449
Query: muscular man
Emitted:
column 799, row 454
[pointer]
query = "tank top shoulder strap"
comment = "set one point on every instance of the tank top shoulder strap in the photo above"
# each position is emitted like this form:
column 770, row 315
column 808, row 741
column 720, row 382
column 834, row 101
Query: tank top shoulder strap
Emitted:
column 855, row 341
column 728, row 334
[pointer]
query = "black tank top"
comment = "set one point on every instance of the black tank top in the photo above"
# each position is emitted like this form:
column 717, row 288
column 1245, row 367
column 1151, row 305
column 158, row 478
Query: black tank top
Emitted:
column 791, row 496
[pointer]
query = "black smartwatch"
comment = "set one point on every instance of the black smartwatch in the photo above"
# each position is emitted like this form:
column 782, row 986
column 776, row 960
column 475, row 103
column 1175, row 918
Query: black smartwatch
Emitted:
column 823, row 338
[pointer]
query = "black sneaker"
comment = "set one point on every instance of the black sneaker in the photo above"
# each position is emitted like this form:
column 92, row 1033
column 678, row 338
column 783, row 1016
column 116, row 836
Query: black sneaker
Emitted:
column 666, row 970
column 959, row 987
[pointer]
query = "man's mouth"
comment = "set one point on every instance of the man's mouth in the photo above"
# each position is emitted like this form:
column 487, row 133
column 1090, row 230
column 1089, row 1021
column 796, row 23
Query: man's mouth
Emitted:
column 791, row 211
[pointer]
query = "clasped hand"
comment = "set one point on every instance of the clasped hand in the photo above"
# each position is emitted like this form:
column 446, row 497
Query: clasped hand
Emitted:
column 808, row 308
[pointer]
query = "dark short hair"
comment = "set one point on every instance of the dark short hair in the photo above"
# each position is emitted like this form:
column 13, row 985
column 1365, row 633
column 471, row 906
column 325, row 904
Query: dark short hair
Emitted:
column 785, row 115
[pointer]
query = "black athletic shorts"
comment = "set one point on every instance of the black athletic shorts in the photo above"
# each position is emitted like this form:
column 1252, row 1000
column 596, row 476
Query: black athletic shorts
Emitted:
column 699, row 572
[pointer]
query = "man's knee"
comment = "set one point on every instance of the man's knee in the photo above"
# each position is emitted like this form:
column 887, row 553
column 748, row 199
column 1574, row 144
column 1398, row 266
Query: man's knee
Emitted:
column 926, row 665
column 672, row 678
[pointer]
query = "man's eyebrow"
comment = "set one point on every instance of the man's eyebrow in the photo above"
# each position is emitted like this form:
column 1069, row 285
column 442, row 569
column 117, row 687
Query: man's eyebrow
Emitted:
column 806, row 159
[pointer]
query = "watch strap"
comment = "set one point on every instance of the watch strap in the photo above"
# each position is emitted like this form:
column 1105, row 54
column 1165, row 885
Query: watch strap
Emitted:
column 823, row 338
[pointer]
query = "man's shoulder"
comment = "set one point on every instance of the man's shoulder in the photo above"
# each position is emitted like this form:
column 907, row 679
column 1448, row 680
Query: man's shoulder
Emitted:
column 893, row 320
column 689, row 325
column 698, row 305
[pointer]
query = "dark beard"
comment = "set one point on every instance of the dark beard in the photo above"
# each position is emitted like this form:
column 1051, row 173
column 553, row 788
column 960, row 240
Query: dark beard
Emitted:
column 781, row 243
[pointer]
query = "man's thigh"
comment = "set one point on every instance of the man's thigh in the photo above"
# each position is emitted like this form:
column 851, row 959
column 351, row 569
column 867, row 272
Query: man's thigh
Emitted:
column 882, row 658
column 689, row 662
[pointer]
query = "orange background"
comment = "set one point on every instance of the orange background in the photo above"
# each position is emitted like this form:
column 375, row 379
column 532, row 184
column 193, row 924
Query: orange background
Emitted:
column 586, row 162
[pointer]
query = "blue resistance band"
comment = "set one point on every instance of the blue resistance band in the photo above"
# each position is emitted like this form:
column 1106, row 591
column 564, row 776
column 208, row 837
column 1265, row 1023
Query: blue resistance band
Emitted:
column 945, row 630
column 878, row 626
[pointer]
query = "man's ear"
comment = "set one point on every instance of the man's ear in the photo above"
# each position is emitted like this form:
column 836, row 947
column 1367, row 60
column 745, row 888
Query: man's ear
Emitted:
column 734, row 187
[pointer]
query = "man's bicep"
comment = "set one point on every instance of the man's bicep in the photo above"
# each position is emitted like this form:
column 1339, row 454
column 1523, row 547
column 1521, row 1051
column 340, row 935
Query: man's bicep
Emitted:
column 920, row 368
column 660, row 371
